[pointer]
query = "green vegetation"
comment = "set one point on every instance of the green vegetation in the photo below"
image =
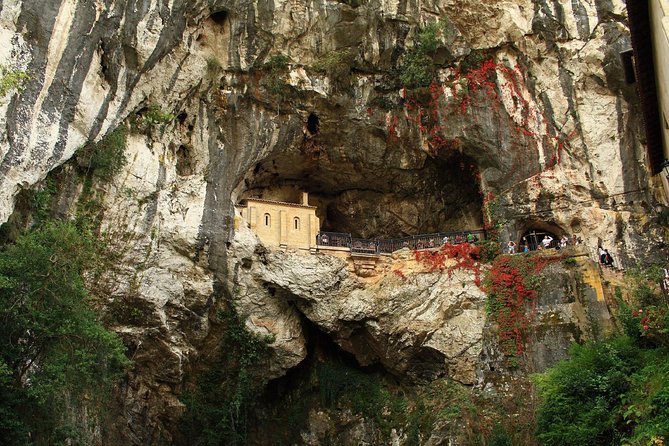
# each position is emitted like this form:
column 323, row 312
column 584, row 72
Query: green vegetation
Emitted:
column 511, row 285
column 213, row 65
column 156, row 117
column 57, row 360
column 614, row 391
column 490, row 249
column 219, row 405
column 273, row 81
column 103, row 159
column 417, row 69
column 663, row 216
column 12, row 80
column 277, row 63
column 341, row 386
column 336, row 64
column 474, row 60
column 40, row 199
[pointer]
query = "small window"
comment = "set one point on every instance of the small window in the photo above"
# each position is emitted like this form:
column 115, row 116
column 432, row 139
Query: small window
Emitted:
column 268, row 220
column 296, row 222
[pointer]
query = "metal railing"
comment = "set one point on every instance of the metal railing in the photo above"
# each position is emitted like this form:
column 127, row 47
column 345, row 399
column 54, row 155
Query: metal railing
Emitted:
column 387, row 246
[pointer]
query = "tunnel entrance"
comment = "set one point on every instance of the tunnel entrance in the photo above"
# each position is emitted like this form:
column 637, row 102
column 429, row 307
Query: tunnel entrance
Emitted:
column 438, row 195
column 536, row 239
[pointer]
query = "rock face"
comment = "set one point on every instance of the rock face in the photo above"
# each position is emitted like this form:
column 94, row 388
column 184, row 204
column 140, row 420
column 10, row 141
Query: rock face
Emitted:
column 417, row 326
column 530, row 126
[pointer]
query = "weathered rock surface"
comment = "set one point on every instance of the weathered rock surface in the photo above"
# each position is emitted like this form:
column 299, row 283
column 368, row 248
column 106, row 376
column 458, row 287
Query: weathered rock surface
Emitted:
column 415, row 325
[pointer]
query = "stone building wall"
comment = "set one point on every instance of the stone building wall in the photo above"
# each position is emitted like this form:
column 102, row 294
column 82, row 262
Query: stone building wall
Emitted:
column 286, row 225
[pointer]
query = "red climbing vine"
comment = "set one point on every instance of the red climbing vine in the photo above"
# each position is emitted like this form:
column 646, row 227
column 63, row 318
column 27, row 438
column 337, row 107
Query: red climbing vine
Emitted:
column 467, row 256
column 511, row 285
column 427, row 109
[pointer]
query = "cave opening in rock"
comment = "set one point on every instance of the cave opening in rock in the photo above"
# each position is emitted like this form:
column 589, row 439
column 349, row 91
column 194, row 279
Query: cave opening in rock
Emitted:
column 219, row 17
column 533, row 238
column 184, row 163
column 370, row 201
column 313, row 124
column 325, row 380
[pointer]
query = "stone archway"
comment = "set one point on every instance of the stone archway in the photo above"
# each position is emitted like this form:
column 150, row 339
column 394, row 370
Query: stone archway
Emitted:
column 533, row 238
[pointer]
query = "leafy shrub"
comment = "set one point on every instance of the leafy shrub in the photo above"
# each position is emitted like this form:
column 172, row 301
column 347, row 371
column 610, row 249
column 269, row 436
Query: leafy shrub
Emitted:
column 105, row 158
column 645, row 318
column 417, row 69
column 277, row 63
column 490, row 249
column 219, row 406
column 580, row 396
column 55, row 355
column 40, row 199
column 157, row 117
column 335, row 64
column 273, row 81
column 609, row 392
column 12, row 79
column 474, row 60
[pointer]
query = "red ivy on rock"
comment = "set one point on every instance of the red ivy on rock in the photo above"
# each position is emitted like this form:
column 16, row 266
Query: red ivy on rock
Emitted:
column 653, row 323
column 511, row 285
column 466, row 255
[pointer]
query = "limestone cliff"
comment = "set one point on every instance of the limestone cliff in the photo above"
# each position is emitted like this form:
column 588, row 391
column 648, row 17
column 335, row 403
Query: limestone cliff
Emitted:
column 529, row 126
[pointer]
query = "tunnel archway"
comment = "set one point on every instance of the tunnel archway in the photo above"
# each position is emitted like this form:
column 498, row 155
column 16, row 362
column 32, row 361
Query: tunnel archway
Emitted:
column 536, row 238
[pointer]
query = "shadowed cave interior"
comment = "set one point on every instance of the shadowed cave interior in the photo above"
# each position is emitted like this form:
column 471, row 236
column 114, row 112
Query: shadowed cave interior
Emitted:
column 440, row 195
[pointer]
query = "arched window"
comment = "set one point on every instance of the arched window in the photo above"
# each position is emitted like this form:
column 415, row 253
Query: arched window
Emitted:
column 268, row 220
column 296, row 222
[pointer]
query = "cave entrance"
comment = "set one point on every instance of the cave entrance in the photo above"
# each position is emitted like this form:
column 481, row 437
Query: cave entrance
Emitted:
column 368, row 200
column 534, row 240
column 328, row 379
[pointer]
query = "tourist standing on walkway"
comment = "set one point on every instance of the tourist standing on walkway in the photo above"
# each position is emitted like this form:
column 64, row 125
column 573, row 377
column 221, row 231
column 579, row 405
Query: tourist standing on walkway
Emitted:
column 602, row 255
column 547, row 241
column 511, row 247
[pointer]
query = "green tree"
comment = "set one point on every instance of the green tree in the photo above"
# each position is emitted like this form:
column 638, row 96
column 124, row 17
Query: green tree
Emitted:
column 582, row 397
column 219, row 406
column 55, row 355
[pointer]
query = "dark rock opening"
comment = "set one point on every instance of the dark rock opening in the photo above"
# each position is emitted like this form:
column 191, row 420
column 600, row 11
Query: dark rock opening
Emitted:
column 219, row 17
column 184, row 161
column 534, row 238
column 313, row 124
column 432, row 195
column 321, row 382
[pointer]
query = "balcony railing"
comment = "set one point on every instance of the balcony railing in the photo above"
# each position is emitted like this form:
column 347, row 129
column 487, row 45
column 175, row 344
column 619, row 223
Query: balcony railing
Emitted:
column 387, row 246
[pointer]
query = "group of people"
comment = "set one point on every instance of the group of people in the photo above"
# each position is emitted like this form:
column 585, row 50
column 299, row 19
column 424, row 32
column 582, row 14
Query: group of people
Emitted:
column 605, row 258
column 460, row 238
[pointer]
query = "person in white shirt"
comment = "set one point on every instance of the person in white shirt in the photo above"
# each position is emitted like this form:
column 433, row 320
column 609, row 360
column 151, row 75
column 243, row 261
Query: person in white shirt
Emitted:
column 602, row 255
column 547, row 241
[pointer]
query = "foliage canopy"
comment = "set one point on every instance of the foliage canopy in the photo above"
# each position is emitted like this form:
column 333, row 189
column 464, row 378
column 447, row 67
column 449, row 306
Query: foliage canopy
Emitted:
column 55, row 355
